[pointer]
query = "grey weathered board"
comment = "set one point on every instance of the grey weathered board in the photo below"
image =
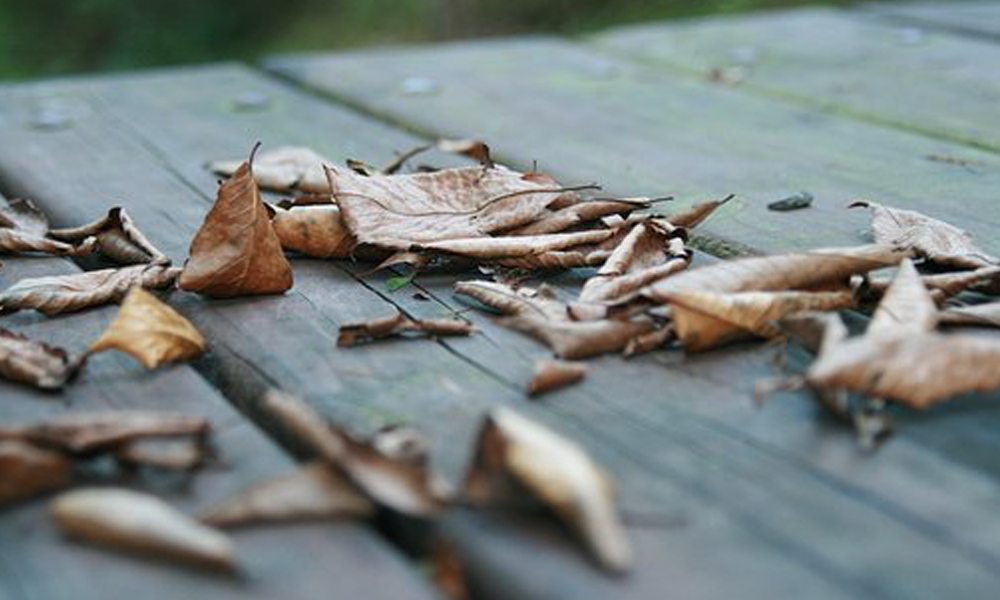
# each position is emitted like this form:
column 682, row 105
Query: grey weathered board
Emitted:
column 976, row 17
column 928, row 81
column 337, row 560
column 730, row 495
column 643, row 130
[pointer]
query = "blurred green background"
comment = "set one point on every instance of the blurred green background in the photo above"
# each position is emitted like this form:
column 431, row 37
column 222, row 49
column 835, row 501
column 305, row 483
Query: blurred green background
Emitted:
column 46, row 37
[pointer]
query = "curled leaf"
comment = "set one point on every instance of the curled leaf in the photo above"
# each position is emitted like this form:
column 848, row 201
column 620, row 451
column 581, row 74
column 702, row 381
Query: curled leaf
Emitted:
column 516, row 246
column 553, row 374
column 117, row 238
column 26, row 471
column 399, row 325
column 283, row 169
column 236, row 252
column 558, row 473
column 928, row 238
column 34, row 363
column 646, row 254
column 150, row 331
column 67, row 293
column 131, row 521
column 24, row 228
column 581, row 212
column 93, row 432
column 315, row 231
column 311, row 492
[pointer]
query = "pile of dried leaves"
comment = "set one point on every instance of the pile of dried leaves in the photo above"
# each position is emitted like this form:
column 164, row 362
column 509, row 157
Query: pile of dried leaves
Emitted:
column 641, row 295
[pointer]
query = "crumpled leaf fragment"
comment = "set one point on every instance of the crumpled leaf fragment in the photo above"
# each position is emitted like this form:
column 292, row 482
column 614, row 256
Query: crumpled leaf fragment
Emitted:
column 556, row 471
column 34, row 363
column 704, row 320
column 400, row 485
column 551, row 375
column 582, row 212
column 67, row 293
column 135, row 522
column 936, row 241
column 150, row 331
column 314, row 230
column 117, row 239
column 283, row 169
column 399, row 325
column 87, row 433
column 236, row 251
column 27, row 471
column 313, row 491
column 547, row 319
column 24, row 228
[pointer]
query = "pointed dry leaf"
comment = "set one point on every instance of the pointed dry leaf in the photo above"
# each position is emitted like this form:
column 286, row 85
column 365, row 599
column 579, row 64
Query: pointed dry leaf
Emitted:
column 117, row 239
column 553, row 374
column 697, row 214
column 67, row 293
column 310, row 492
column 398, row 211
column 236, row 252
column 315, row 231
column 704, row 320
column 27, row 471
column 93, row 432
column 906, row 307
column 396, row 484
column 150, row 331
column 131, row 521
column 982, row 315
column 556, row 471
column 283, row 169
column 399, row 325
column 928, row 238
column 34, row 363
column 917, row 369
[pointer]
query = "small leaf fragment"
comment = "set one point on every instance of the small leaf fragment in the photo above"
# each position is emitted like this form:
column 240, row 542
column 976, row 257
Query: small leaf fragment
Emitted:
column 27, row 471
column 34, row 363
column 399, row 325
column 553, row 374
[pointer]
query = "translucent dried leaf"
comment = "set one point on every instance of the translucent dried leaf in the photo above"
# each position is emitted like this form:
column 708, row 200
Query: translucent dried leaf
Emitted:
column 906, row 307
column 310, row 492
column 283, row 169
column 87, row 433
column 556, row 471
column 117, row 239
column 67, row 293
column 553, row 374
column 928, row 238
column 150, row 331
column 704, row 320
column 396, row 484
column 236, row 252
column 315, row 231
column 134, row 522
column 27, row 471
column 34, row 363
column 399, row 325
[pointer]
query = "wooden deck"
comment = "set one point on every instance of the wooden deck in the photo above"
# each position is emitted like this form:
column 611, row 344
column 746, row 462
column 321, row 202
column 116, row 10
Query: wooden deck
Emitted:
column 899, row 104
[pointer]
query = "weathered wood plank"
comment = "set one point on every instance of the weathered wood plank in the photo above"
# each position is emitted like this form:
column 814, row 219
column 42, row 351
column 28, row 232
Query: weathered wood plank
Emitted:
column 841, row 61
column 744, row 506
column 640, row 130
column 344, row 560
column 978, row 18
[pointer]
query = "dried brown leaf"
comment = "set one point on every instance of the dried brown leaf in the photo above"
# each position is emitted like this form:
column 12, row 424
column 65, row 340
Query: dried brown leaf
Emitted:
column 399, row 325
column 24, row 228
column 554, row 470
column 396, row 484
column 981, row 315
column 131, row 521
column 94, row 432
column 117, row 239
column 150, row 331
column 492, row 248
column 283, row 169
column 34, row 363
column 928, row 238
column 817, row 332
column 582, row 212
column 553, row 374
column 648, row 253
column 984, row 280
column 67, row 293
column 27, row 471
column 906, row 307
column 236, row 252
column 183, row 454
column 697, row 213
column 315, row 231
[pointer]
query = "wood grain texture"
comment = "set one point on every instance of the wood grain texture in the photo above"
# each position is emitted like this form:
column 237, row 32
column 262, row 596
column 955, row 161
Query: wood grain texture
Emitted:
column 641, row 130
column 724, row 496
column 345, row 560
column 975, row 18
column 842, row 61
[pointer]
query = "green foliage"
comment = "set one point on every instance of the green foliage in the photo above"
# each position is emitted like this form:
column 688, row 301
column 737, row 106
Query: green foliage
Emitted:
column 43, row 37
